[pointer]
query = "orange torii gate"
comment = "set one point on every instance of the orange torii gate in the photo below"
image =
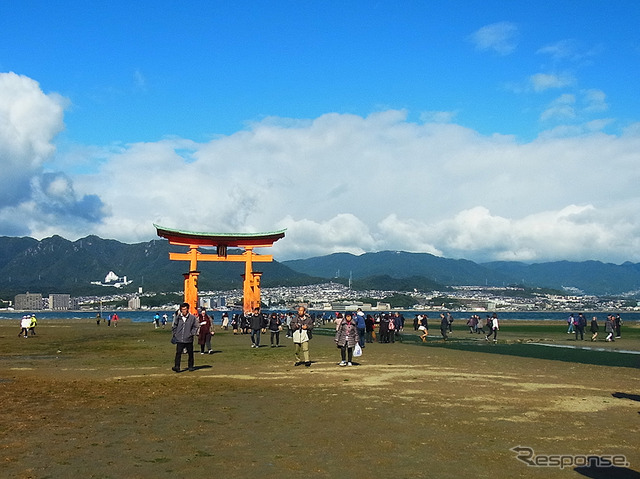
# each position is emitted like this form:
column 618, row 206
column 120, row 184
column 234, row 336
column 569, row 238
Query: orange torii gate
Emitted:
column 221, row 241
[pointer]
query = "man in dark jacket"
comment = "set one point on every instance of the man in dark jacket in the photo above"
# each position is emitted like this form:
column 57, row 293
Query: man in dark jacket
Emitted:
column 580, row 324
column 184, row 328
column 256, row 323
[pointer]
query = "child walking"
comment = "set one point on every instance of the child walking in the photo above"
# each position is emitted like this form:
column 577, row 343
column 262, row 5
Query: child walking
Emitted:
column 346, row 339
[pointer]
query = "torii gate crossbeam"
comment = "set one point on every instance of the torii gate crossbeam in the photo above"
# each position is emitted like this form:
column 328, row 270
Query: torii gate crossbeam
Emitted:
column 221, row 241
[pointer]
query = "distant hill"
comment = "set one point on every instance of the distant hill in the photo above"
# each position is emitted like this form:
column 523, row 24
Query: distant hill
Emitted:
column 590, row 277
column 399, row 264
column 56, row 265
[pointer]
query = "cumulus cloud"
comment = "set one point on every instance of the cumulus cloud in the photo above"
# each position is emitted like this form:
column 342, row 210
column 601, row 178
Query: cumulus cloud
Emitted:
column 31, row 196
column 342, row 182
column 351, row 183
column 500, row 37
column 581, row 106
column 29, row 120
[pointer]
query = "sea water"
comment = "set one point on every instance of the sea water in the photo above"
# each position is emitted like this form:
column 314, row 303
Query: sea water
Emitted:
column 146, row 316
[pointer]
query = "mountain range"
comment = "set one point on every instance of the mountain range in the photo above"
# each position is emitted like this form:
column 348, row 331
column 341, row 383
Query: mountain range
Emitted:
column 57, row 265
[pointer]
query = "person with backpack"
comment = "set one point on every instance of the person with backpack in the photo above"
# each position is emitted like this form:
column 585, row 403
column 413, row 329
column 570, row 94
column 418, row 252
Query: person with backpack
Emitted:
column 392, row 329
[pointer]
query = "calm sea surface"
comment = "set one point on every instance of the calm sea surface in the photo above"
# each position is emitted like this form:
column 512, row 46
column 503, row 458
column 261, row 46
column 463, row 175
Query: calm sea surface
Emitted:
column 147, row 316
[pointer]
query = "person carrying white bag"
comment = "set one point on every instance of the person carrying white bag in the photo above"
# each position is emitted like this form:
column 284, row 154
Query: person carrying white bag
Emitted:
column 347, row 339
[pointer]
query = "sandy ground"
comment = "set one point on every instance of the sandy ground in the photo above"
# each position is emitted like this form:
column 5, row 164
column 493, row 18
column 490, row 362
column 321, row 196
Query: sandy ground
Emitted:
column 96, row 402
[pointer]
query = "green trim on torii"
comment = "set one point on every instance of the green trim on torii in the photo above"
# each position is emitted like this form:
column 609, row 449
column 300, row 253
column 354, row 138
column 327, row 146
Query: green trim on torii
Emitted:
column 215, row 239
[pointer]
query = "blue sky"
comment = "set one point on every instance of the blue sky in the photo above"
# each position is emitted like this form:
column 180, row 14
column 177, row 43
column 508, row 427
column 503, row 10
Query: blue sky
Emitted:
column 483, row 130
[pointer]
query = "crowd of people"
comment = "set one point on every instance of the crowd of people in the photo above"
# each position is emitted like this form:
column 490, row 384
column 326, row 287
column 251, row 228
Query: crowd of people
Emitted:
column 612, row 327
column 353, row 330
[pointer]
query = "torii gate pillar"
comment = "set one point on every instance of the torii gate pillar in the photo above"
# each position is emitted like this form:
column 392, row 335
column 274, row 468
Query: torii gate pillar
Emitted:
column 251, row 283
column 191, row 289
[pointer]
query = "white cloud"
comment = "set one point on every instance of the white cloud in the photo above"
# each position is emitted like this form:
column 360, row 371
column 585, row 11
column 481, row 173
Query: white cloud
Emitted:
column 438, row 116
column 562, row 107
column 570, row 50
column 31, row 198
column 560, row 50
column 500, row 37
column 595, row 100
column 587, row 103
column 342, row 233
column 545, row 81
column 349, row 183
column 29, row 120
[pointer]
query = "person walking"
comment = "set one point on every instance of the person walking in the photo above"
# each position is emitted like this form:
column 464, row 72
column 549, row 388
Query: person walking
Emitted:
column 391, row 334
column 450, row 323
column 275, row 325
column 302, row 325
column 580, row 324
column 25, row 322
column 362, row 327
column 384, row 328
column 570, row 321
column 33, row 322
column 444, row 326
column 494, row 327
column 398, row 321
column 594, row 328
column 609, row 328
column 618, row 325
column 205, row 331
column 184, row 328
column 472, row 323
column 346, row 339
column 256, row 323
column 423, row 327
column 480, row 326
column 369, row 324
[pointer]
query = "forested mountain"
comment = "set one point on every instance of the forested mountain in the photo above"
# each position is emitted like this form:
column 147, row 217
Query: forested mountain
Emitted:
column 56, row 265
